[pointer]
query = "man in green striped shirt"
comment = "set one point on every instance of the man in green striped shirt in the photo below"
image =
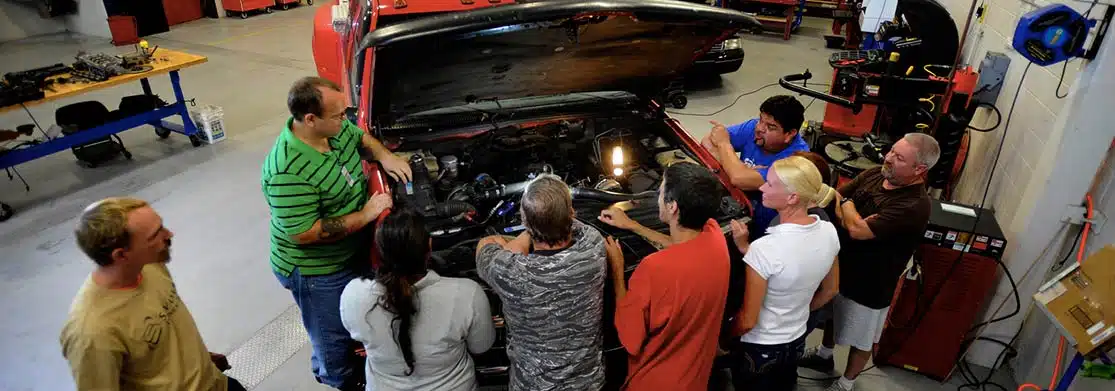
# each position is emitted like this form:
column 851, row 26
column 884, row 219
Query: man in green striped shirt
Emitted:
column 318, row 194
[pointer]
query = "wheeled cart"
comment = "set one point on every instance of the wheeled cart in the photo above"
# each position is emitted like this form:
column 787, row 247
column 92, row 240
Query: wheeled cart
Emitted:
column 287, row 4
column 243, row 7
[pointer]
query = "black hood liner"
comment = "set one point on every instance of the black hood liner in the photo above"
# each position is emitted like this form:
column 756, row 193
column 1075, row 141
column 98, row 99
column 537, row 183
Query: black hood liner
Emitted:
column 538, row 49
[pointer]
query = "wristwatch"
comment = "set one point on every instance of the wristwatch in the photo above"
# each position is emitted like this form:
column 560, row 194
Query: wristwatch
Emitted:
column 845, row 201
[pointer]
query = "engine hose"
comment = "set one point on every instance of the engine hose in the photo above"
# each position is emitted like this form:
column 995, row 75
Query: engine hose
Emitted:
column 452, row 208
column 608, row 196
column 503, row 191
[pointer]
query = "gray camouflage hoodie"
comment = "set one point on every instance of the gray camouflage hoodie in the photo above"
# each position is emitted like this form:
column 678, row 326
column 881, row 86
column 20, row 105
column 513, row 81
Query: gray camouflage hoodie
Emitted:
column 552, row 306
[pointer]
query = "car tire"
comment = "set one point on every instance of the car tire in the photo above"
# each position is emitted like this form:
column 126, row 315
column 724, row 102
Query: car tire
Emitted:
column 679, row 101
column 6, row 212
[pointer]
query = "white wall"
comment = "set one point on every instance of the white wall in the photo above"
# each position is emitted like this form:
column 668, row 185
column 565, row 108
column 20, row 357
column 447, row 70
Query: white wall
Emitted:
column 1033, row 185
column 90, row 19
column 18, row 21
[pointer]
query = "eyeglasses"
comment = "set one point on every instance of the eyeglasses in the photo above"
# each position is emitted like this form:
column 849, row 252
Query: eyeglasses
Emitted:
column 339, row 116
column 764, row 126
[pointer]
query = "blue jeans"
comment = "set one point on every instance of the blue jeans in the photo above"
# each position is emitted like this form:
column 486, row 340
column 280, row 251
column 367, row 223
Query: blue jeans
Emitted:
column 766, row 367
column 334, row 361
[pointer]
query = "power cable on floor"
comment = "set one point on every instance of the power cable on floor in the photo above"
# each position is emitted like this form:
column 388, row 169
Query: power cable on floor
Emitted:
column 736, row 101
column 738, row 97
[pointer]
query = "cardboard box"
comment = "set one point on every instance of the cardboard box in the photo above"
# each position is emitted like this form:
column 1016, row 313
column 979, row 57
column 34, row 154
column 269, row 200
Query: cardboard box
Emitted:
column 1081, row 301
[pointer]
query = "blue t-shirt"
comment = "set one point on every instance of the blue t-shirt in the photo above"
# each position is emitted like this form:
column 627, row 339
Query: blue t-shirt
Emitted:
column 743, row 141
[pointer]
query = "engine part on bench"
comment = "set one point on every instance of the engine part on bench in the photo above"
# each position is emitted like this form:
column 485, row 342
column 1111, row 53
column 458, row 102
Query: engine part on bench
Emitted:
column 37, row 75
column 98, row 66
column 16, row 93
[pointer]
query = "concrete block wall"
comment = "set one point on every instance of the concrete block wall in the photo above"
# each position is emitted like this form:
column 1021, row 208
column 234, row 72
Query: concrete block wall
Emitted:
column 1032, row 125
column 19, row 21
column 1022, row 187
column 91, row 19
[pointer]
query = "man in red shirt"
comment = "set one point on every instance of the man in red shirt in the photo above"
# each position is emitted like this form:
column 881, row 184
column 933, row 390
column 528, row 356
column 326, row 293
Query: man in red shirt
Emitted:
column 669, row 320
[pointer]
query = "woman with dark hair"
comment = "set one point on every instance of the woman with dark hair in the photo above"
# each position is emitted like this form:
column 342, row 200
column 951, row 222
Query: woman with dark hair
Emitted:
column 417, row 327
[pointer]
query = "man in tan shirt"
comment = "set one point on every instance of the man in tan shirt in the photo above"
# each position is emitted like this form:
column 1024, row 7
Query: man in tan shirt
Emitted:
column 127, row 328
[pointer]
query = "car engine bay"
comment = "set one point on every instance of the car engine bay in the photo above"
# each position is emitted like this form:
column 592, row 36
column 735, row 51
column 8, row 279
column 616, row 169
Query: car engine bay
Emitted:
column 469, row 188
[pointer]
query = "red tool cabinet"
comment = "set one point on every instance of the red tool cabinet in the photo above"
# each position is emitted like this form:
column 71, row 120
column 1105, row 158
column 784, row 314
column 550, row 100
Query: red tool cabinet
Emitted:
column 244, row 6
column 286, row 4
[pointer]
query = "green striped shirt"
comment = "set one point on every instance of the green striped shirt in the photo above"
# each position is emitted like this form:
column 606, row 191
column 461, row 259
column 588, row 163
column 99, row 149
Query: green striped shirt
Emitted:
column 301, row 186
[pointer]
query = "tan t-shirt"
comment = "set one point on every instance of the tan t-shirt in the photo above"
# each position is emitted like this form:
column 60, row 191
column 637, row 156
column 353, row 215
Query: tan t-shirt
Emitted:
column 137, row 339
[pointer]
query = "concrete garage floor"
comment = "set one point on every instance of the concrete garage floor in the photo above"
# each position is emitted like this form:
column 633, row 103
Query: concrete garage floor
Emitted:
column 217, row 214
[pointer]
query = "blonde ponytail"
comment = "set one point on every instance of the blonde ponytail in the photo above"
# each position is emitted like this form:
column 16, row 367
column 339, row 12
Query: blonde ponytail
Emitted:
column 802, row 177
column 825, row 196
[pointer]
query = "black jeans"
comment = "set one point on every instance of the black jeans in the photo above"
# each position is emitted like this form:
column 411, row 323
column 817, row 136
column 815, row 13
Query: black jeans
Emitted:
column 234, row 385
column 766, row 367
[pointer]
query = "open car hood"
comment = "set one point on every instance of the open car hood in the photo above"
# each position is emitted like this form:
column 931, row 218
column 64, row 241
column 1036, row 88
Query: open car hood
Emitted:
column 537, row 49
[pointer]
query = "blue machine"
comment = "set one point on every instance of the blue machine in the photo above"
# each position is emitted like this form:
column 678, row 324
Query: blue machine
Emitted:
column 1051, row 34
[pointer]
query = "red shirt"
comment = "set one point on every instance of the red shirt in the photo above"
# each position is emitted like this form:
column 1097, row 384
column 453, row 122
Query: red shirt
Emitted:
column 669, row 321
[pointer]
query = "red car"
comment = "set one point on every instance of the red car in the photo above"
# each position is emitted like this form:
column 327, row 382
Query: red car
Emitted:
column 483, row 98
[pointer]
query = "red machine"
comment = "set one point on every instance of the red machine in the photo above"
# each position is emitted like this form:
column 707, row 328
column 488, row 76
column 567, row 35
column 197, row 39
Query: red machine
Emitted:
column 899, row 84
column 243, row 7
column 932, row 311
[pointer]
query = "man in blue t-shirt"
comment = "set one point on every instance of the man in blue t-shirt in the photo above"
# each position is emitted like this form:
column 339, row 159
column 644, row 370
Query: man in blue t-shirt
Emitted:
column 759, row 142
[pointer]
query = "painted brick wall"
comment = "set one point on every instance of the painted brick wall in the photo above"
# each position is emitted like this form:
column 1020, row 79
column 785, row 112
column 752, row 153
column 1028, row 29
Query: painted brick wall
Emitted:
column 1032, row 126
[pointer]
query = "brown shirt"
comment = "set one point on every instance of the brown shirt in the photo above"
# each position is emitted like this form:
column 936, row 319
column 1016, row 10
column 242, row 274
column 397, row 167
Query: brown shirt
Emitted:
column 869, row 269
column 137, row 339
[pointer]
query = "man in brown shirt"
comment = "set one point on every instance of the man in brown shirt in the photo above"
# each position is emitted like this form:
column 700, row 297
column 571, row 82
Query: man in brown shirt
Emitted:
column 128, row 329
column 882, row 213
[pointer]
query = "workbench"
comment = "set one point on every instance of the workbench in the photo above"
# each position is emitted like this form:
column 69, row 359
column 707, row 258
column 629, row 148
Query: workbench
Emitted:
column 164, row 61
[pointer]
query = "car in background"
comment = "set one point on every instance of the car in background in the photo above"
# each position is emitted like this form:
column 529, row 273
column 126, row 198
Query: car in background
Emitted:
column 480, row 100
column 724, row 57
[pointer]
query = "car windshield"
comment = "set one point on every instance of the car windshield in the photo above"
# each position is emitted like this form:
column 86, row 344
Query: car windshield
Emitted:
column 494, row 105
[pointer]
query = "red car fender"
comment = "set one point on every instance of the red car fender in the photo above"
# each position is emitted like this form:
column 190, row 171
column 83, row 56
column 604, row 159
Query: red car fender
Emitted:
column 327, row 47
column 377, row 183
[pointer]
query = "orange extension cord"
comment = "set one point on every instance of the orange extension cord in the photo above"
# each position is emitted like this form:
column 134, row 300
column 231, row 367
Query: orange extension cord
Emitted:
column 1079, row 260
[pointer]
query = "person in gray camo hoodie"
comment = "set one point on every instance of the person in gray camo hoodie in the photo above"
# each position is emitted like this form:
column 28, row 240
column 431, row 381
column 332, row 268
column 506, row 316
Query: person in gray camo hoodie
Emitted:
column 551, row 281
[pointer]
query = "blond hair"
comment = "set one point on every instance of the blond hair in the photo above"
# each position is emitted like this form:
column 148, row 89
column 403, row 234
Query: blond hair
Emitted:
column 103, row 227
column 802, row 177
